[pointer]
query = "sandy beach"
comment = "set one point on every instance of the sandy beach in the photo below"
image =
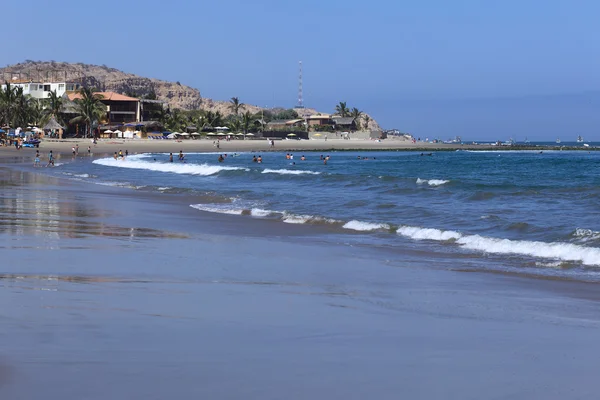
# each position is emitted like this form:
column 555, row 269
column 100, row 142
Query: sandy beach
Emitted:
column 117, row 293
column 202, row 145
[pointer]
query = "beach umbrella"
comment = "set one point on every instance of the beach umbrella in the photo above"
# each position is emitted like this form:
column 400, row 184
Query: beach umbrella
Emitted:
column 250, row 134
column 292, row 134
column 195, row 134
column 171, row 136
column 117, row 131
column 184, row 134
column 221, row 134
column 211, row 134
column 239, row 134
column 108, row 131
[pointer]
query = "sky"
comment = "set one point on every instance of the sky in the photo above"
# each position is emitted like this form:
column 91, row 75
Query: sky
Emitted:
column 483, row 70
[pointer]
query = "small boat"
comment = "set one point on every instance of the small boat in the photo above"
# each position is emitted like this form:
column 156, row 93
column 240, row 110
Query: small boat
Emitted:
column 579, row 139
column 526, row 140
column 558, row 140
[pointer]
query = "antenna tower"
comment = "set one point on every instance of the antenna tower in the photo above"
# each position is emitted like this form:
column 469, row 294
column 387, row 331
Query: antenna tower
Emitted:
column 300, row 99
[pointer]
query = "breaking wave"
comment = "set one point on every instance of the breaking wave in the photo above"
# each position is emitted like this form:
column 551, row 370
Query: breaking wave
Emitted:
column 289, row 172
column 365, row 226
column 555, row 250
column 176, row 168
column 431, row 182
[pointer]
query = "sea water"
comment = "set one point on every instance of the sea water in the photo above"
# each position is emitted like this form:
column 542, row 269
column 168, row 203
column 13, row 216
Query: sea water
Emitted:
column 528, row 212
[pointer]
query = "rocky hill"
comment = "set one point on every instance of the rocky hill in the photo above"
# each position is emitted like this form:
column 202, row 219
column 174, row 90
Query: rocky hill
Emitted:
column 106, row 79
column 110, row 79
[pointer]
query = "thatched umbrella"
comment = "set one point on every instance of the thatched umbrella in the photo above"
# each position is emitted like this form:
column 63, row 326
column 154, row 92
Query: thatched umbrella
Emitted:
column 52, row 125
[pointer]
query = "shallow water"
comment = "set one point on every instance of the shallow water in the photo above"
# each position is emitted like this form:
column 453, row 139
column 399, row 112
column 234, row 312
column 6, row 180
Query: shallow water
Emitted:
column 515, row 211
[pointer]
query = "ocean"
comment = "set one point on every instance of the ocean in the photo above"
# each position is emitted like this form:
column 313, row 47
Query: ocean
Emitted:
column 525, row 212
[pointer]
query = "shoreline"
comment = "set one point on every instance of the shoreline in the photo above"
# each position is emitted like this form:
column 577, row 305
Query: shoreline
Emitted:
column 187, row 146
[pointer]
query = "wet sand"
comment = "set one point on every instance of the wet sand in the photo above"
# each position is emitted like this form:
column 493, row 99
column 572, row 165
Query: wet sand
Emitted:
column 120, row 294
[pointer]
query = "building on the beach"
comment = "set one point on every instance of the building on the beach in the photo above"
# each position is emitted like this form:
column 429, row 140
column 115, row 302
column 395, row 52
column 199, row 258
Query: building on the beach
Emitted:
column 319, row 119
column 285, row 124
column 344, row 123
column 42, row 90
column 120, row 109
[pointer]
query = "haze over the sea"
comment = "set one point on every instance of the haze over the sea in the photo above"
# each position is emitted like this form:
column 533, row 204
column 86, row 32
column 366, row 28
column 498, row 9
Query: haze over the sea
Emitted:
column 481, row 70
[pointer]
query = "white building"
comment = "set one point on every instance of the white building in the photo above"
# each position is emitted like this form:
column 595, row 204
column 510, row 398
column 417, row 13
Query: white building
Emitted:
column 41, row 90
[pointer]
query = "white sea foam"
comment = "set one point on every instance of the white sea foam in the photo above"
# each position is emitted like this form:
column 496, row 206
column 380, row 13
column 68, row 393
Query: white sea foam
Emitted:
column 260, row 213
column 220, row 209
column 82, row 175
column 586, row 235
column 176, row 168
column 428, row 233
column 162, row 189
column 289, row 172
column 296, row 219
column 431, row 182
column 555, row 250
column 365, row 226
column 304, row 219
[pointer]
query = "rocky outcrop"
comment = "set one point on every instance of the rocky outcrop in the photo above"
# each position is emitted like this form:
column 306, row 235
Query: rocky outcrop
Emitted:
column 105, row 78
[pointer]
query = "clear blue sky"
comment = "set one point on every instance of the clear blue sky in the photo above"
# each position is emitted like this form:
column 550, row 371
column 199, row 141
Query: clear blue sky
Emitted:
column 436, row 68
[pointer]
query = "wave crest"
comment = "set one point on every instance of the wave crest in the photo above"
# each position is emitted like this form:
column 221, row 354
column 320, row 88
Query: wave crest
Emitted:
column 555, row 250
column 289, row 172
column 362, row 226
column 176, row 168
column 432, row 182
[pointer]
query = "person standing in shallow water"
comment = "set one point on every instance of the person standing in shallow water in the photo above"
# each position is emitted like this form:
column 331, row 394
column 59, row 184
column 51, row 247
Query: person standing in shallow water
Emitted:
column 181, row 156
column 170, row 157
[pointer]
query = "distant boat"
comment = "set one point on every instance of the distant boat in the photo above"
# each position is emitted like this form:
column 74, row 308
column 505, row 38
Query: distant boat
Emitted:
column 526, row 140
column 558, row 140
column 579, row 139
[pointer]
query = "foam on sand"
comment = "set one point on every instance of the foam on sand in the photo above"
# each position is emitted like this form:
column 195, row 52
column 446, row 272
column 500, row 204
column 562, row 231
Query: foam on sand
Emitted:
column 289, row 172
column 554, row 250
column 219, row 209
column 175, row 167
column 431, row 182
column 362, row 226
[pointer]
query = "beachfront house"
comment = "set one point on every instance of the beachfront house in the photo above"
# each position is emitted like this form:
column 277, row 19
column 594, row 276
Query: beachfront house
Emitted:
column 42, row 89
column 344, row 123
column 120, row 109
column 285, row 124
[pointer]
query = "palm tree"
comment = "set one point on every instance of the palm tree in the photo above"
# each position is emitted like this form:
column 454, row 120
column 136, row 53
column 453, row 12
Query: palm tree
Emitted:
column 36, row 114
column 367, row 119
column 89, row 109
column 7, row 105
column 214, row 118
column 246, row 121
column 342, row 109
column 235, row 125
column 235, row 105
column 54, row 105
column 177, row 121
column 21, row 108
column 202, row 122
column 355, row 113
